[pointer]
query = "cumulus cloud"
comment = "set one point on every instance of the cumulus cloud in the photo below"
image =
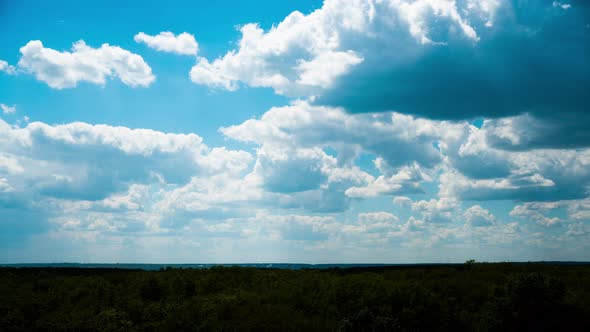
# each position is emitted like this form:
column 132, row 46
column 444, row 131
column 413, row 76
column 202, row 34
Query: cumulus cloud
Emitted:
column 293, row 171
column 281, row 177
column 294, row 139
column 306, row 178
column 5, row 67
column 100, row 180
column 479, row 217
column 8, row 109
column 380, row 56
column 406, row 181
column 409, row 152
column 479, row 171
column 215, row 197
column 305, row 54
column 304, row 228
column 509, row 66
column 399, row 140
column 156, row 181
column 578, row 209
column 554, row 212
column 370, row 228
column 525, row 132
column 442, row 210
column 65, row 69
column 414, row 225
column 166, row 41
column 402, row 201
column 535, row 212
column 82, row 161
column 10, row 164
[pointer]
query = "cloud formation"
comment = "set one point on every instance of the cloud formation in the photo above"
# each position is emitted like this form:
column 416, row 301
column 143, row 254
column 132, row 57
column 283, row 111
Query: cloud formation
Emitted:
column 375, row 155
column 516, row 65
column 441, row 210
column 409, row 152
column 305, row 54
column 98, row 183
column 5, row 67
column 65, row 69
column 183, row 43
column 525, row 132
column 479, row 217
column 92, row 162
column 399, row 139
column 368, row 56
column 478, row 170
column 8, row 109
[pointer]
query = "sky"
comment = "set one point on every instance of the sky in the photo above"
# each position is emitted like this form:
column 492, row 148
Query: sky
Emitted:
column 336, row 131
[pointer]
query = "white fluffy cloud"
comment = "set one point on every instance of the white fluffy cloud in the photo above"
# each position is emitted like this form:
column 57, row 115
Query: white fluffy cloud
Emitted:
column 479, row 171
column 440, row 210
column 378, row 217
column 525, row 132
column 409, row 152
column 293, row 141
column 402, row 201
column 293, row 170
column 84, row 64
column 174, row 186
column 306, row 178
column 479, row 217
column 554, row 213
column 304, row 54
column 166, row 41
column 400, row 140
column 7, row 109
column 406, row 181
column 82, row 161
column 96, row 180
column 5, row 67
column 535, row 212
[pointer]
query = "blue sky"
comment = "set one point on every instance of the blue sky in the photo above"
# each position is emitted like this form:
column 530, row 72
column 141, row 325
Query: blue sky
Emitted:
column 304, row 131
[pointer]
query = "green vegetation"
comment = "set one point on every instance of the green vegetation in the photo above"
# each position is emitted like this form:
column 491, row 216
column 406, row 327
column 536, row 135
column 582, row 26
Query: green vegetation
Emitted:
column 468, row 297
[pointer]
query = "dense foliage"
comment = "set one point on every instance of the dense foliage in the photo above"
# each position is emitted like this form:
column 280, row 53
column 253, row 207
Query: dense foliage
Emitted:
column 467, row 297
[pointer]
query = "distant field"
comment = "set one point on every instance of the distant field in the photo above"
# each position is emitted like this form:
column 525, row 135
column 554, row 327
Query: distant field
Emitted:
column 459, row 297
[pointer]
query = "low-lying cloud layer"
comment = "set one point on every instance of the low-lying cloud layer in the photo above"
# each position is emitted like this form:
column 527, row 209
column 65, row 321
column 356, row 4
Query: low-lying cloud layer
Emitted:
column 103, row 181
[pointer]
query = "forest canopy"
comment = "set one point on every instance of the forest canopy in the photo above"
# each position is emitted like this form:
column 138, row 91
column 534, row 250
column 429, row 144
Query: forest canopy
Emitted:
column 465, row 297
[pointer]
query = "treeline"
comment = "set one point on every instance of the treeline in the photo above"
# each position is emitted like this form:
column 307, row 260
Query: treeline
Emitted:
column 469, row 297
